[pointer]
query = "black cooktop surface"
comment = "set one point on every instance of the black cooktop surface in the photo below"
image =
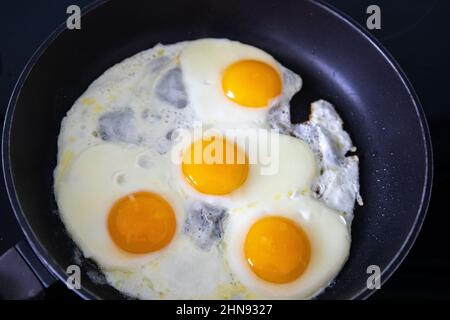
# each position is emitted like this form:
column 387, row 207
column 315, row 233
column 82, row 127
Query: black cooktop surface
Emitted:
column 416, row 34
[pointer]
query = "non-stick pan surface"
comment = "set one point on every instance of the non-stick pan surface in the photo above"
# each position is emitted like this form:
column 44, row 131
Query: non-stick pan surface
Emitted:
column 338, row 62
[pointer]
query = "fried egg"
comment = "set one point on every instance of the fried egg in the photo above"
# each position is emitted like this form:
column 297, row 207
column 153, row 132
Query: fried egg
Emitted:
column 231, row 81
column 261, row 167
column 162, row 225
column 123, row 216
column 287, row 249
column 103, row 196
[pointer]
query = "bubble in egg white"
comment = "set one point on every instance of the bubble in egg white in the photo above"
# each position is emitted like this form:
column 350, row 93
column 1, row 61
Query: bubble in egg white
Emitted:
column 171, row 89
column 204, row 223
column 118, row 126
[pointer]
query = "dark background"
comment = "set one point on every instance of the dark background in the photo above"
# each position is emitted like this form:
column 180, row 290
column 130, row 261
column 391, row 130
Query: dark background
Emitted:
column 417, row 35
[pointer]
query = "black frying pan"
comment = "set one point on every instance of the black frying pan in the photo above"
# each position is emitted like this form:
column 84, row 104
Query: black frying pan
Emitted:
column 338, row 62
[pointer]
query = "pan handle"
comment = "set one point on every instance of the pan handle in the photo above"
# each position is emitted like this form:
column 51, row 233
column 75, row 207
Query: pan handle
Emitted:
column 22, row 275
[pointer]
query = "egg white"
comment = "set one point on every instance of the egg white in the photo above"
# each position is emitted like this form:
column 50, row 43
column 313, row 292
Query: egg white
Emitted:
column 337, row 184
column 130, row 85
column 182, row 272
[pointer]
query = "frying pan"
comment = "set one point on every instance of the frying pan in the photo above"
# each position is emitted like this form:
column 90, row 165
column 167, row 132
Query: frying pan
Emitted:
column 338, row 61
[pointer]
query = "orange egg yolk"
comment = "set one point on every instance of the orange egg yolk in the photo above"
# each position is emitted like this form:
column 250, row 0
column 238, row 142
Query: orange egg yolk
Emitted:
column 277, row 249
column 251, row 83
column 215, row 166
column 141, row 222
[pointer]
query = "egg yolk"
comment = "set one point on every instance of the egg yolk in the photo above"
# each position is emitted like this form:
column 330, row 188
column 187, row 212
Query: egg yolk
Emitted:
column 141, row 222
column 251, row 83
column 277, row 249
column 215, row 166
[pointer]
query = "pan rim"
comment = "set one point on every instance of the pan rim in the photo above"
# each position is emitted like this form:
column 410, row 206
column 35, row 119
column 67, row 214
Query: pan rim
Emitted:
column 56, row 270
column 409, row 241
column 41, row 252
